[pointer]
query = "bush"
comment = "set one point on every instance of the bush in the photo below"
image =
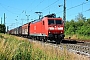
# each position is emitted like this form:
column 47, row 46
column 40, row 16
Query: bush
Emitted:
column 2, row 28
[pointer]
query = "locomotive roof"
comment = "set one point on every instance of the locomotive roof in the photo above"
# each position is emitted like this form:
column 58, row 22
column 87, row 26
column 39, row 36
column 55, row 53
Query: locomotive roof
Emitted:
column 26, row 23
column 53, row 15
column 36, row 20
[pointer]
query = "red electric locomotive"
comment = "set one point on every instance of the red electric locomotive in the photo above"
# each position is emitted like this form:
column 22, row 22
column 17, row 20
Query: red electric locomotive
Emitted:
column 49, row 27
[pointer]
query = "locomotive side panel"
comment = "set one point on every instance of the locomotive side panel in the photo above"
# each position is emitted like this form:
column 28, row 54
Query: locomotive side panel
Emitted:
column 35, row 28
column 31, row 29
column 38, row 28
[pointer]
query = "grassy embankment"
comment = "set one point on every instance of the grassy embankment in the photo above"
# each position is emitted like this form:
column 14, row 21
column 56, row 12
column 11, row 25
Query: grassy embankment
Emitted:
column 78, row 37
column 16, row 48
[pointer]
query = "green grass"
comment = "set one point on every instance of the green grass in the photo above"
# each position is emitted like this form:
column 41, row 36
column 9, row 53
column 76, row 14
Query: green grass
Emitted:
column 11, row 48
column 17, row 48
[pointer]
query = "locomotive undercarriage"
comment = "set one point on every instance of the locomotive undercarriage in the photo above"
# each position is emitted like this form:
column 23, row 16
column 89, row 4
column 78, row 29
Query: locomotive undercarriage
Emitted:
column 52, row 37
column 40, row 38
column 56, row 37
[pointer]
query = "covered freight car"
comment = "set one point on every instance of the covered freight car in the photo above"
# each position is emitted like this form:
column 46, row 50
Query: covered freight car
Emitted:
column 20, row 31
column 25, row 30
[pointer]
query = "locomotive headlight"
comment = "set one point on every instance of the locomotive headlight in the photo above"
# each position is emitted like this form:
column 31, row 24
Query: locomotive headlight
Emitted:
column 55, row 26
column 49, row 32
column 61, row 31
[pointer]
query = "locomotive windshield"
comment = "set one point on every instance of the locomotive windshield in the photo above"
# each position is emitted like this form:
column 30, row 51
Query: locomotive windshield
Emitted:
column 54, row 22
column 50, row 22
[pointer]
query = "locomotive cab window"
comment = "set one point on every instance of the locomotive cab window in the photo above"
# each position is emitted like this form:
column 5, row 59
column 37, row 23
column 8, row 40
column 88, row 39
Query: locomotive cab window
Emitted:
column 50, row 22
column 54, row 22
column 58, row 21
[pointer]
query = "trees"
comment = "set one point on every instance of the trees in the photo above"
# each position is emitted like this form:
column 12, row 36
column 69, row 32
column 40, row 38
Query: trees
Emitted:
column 2, row 28
column 80, row 26
column 70, row 27
column 80, row 17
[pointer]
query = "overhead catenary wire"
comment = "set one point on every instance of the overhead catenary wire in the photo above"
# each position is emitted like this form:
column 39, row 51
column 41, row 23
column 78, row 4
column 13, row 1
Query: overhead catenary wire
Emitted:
column 80, row 12
column 37, row 5
column 49, row 5
column 31, row 4
column 8, row 10
column 33, row 12
column 74, row 6
column 78, row 5
column 45, row 7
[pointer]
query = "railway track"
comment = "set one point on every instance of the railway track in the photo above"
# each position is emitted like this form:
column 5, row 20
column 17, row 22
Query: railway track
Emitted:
column 80, row 48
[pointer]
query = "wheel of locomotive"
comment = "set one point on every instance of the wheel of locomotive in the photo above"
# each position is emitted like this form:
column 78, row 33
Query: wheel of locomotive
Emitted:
column 58, row 41
column 37, row 38
column 50, row 38
column 29, row 37
column 40, row 38
column 44, row 39
column 33, row 38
